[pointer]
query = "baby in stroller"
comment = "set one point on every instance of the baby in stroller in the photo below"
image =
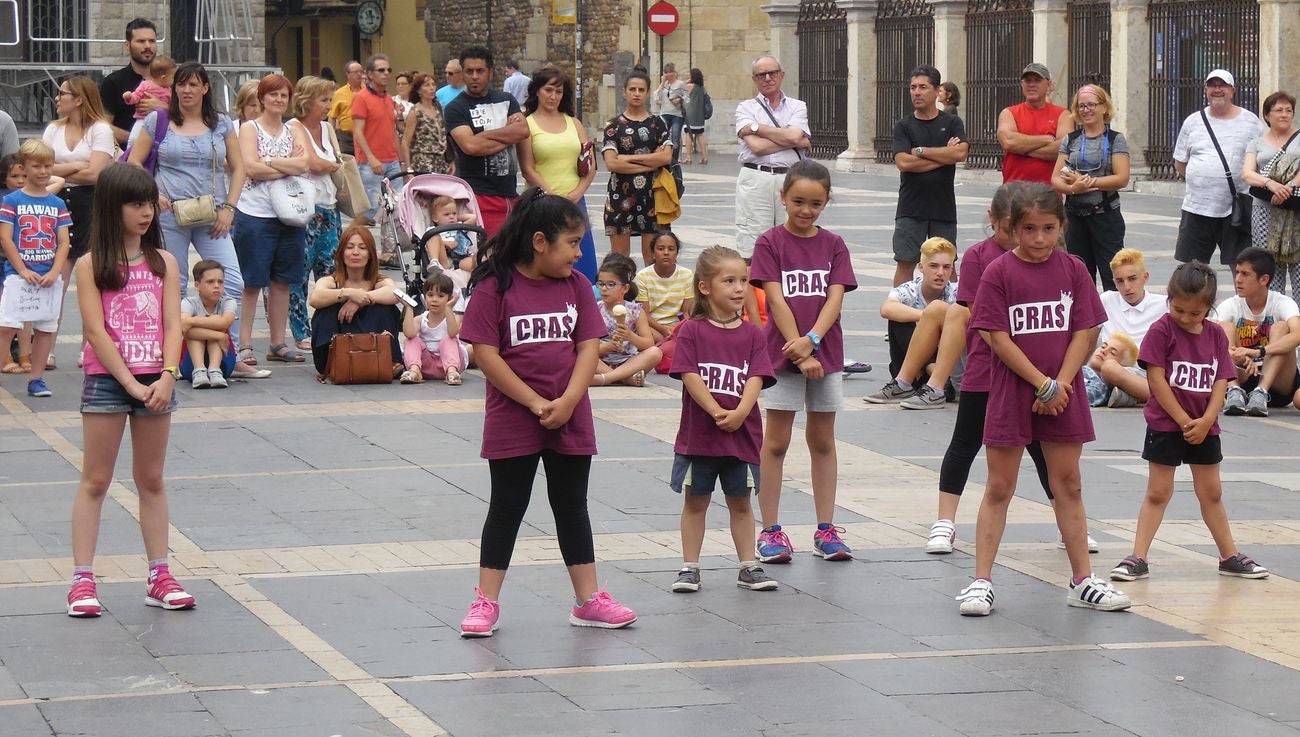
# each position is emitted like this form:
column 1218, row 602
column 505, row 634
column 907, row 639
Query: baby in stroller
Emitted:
column 457, row 252
column 440, row 216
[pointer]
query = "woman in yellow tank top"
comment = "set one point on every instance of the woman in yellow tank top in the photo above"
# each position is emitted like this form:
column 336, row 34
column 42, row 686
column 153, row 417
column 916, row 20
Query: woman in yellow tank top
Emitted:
column 548, row 158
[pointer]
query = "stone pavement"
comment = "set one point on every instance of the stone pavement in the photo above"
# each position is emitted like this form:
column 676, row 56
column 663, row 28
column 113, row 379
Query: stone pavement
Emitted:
column 330, row 535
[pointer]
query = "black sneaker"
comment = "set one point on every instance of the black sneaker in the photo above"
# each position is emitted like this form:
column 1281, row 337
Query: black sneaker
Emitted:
column 1242, row 566
column 753, row 578
column 688, row 581
column 1130, row 569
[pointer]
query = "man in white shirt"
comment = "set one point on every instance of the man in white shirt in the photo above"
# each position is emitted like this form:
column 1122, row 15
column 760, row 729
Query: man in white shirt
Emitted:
column 1263, row 329
column 516, row 82
column 1130, row 309
column 1207, row 202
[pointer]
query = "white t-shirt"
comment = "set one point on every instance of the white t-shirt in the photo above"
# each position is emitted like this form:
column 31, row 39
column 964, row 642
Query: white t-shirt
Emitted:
column 1135, row 320
column 909, row 293
column 1207, row 190
column 431, row 336
column 1254, row 329
column 99, row 137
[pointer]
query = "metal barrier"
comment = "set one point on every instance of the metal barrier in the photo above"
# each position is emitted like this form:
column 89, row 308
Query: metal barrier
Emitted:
column 999, row 42
column 1089, row 27
column 823, row 34
column 1188, row 39
column 904, row 38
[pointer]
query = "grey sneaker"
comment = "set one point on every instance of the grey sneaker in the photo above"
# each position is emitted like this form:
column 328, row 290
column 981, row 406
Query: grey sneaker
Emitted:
column 1234, row 405
column 754, row 579
column 1257, row 403
column 688, row 581
column 1242, row 566
column 1120, row 398
column 890, row 393
column 927, row 397
column 1130, row 569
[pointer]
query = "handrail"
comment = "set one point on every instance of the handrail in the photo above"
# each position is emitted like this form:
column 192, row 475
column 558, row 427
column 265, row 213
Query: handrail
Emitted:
column 31, row 33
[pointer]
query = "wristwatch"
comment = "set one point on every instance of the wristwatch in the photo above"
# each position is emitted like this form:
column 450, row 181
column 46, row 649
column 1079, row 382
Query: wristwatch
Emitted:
column 815, row 338
column 753, row 127
column 918, row 152
column 1263, row 350
column 174, row 371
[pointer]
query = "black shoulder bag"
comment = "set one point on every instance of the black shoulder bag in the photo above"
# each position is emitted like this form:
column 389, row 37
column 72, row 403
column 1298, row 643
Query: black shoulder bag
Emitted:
column 1266, row 194
column 1241, row 201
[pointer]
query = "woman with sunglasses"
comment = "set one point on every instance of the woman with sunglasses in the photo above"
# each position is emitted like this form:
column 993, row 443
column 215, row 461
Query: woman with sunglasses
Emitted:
column 1092, row 167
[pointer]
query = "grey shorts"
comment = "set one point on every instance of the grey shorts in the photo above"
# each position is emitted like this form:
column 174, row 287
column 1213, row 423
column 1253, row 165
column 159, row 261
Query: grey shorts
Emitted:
column 793, row 392
column 910, row 233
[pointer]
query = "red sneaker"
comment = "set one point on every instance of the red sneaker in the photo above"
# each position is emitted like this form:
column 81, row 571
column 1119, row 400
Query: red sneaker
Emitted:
column 82, row 600
column 166, row 593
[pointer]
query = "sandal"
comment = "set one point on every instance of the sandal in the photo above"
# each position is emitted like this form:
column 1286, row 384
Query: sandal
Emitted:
column 413, row 375
column 453, row 378
column 637, row 379
column 246, row 356
column 16, row 368
column 304, row 344
column 51, row 364
column 284, row 354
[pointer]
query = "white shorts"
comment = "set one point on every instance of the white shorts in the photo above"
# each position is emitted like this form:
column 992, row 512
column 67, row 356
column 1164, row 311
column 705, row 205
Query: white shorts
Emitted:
column 9, row 317
column 793, row 392
column 758, row 207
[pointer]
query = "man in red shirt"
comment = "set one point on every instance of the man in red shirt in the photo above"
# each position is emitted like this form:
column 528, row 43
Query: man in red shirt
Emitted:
column 1031, row 132
column 374, row 130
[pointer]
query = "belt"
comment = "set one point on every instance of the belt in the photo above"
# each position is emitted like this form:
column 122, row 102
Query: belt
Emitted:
column 768, row 169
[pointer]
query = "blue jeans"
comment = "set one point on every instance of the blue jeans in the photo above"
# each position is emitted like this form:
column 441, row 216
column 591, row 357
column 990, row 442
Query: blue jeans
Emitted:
column 371, row 181
column 322, row 241
column 221, row 250
column 587, row 261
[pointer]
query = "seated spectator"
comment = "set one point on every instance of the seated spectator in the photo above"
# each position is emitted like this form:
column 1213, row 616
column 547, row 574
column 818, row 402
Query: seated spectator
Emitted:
column 1130, row 309
column 432, row 348
column 665, row 291
column 917, row 312
column 629, row 350
column 1116, row 355
column 205, row 322
column 1263, row 329
column 354, row 299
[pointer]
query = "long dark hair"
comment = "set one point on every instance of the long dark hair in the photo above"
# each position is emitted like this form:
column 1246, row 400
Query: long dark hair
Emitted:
column 121, row 184
column 543, row 77
column 186, row 71
column 535, row 212
column 624, row 268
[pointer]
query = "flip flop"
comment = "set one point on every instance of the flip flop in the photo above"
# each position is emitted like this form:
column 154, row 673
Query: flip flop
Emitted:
column 284, row 354
column 304, row 344
column 453, row 378
column 637, row 379
column 15, row 368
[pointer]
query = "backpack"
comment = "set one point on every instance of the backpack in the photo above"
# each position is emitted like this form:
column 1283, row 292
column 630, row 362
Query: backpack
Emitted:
column 708, row 106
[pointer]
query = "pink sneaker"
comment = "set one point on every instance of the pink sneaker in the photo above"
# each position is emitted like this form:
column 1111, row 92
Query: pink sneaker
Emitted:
column 602, row 611
column 481, row 621
column 82, row 601
column 166, row 593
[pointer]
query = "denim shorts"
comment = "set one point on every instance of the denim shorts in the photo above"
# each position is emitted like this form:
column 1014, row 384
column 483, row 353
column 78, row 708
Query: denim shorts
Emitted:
column 700, row 474
column 104, row 395
column 269, row 251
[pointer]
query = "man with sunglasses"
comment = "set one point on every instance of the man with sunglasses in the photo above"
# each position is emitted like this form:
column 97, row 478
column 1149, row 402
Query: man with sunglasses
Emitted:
column 374, row 130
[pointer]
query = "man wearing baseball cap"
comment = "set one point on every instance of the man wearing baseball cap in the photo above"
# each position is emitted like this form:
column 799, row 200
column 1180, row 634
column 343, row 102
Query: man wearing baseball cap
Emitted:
column 1031, row 132
column 1207, row 202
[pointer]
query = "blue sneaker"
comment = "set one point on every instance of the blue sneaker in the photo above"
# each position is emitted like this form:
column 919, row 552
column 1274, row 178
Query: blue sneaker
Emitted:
column 37, row 388
column 774, row 546
column 827, row 543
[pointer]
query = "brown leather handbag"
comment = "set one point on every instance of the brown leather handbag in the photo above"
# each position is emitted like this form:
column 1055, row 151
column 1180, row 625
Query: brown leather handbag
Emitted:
column 360, row 358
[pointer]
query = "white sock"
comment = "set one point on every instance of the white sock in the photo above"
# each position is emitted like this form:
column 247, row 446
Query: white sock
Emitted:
column 692, row 566
column 904, row 385
column 747, row 564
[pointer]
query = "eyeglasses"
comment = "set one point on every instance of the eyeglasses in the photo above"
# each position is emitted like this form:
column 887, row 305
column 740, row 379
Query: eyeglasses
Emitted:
column 767, row 75
column 608, row 284
column 382, row 70
column 65, row 93
column 1089, row 105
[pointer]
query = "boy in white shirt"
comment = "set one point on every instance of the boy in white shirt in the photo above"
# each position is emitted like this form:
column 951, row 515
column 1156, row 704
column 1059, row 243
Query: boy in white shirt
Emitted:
column 1263, row 329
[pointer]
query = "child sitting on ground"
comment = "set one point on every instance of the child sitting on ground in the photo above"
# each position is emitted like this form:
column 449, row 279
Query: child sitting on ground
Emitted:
column 162, row 70
column 432, row 347
column 664, row 289
column 205, row 323
column 629, row 350
column 1119, row 348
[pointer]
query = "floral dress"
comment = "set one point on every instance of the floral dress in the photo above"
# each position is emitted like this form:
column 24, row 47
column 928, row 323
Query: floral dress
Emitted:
column 630, row 206
column 429, row 143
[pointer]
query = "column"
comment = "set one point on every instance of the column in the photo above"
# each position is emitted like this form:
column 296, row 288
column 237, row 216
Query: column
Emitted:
column 783, row 19
column 1130, row 77
column 1279, row 46
column 862, row 84
column 1052, row 43
column 950, row 40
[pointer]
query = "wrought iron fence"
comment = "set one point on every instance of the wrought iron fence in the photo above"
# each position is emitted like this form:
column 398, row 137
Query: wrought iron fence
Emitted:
column 904, row 38
column 1089, row 22
column 823, row 34
column 1188, row 39
column 65, row 19
column 999, row 43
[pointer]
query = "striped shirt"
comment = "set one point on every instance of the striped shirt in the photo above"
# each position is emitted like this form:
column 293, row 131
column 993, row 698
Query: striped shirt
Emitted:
column 664, row 296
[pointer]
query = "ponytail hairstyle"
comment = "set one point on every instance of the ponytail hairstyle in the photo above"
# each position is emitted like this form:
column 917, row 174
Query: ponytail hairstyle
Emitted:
column 1194, row 280
column 807, row 169
column 624, row 268
column 535, row 212
column 706, row 268
column 122, row 184
column 1000, row 207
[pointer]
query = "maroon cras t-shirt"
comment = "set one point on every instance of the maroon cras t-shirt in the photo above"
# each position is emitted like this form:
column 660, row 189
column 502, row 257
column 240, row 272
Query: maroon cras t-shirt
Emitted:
column 1192, row 364
column 804, row 268
column 979, row 356
column 1041, row 306
column 536, row 325
column 724, row 358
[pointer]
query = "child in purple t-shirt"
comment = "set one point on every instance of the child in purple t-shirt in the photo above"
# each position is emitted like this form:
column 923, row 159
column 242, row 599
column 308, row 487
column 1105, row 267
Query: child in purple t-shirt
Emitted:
column 1188, row 368
column 723, row 364
column 1040, row 313
column 804, row 270
column 535, row 329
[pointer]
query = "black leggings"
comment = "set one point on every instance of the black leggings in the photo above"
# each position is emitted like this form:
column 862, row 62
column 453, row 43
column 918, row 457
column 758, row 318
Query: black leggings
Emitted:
column 512, row 486
column 968, row 438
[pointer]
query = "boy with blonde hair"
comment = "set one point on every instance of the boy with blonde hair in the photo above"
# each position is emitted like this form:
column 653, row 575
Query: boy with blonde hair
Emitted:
column 1131, row 310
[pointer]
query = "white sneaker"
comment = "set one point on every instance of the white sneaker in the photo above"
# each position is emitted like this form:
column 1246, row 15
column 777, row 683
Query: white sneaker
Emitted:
column 217, row 380
column 976, row 599
column 1094, row 593
column 199, row 379
column 1092, row 544
column 942, row 535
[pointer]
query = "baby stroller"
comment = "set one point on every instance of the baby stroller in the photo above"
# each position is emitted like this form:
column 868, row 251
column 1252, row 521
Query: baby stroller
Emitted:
column 417, row 226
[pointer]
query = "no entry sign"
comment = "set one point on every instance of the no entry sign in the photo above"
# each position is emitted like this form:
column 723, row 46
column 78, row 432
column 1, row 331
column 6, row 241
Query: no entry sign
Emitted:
column 662, row 18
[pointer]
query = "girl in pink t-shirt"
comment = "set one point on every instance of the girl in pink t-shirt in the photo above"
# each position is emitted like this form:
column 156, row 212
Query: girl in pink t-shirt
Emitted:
column 535, row 328
column 1188, row 368
column 129, row 294
column 1039, row 311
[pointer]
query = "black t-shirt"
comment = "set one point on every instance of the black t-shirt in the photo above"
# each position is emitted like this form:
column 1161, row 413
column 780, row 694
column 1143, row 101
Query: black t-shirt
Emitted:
column 927, row 195
column 111, row 89
column 487, row 175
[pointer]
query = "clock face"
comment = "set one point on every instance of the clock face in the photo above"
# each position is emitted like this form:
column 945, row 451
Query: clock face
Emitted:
column 370, row 17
